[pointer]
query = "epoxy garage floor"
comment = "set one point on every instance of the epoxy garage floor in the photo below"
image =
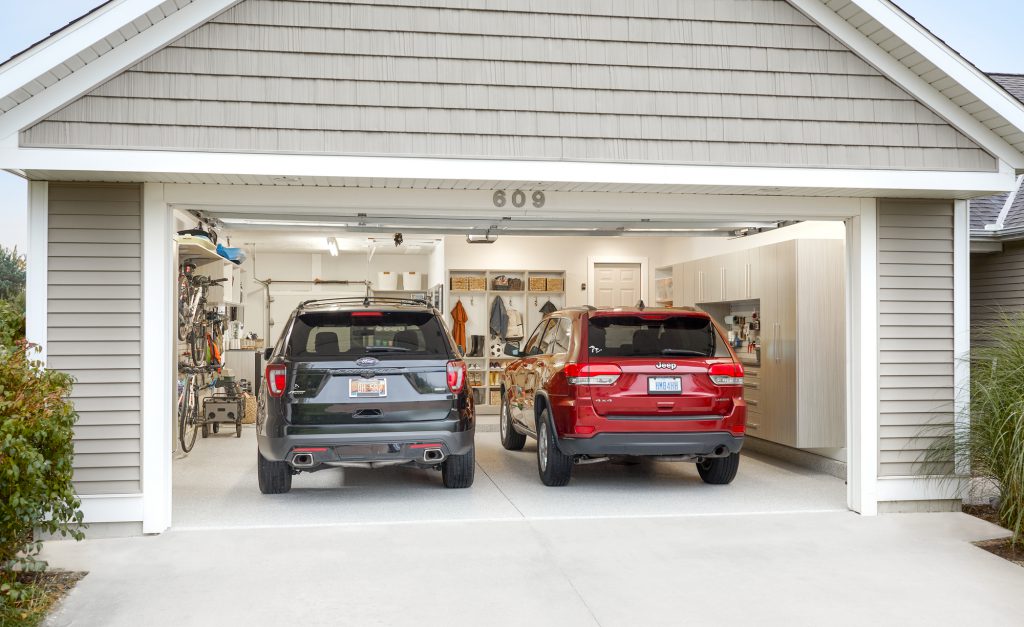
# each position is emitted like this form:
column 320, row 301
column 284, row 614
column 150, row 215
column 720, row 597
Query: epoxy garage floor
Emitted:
column 215, row 487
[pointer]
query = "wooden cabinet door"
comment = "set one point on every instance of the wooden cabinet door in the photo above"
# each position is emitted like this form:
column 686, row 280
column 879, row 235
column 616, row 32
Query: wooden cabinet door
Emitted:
column 780, row 369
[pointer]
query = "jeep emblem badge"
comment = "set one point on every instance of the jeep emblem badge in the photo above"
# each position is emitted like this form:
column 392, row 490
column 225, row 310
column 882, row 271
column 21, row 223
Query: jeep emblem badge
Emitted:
column 665, row 365
column 367, row 361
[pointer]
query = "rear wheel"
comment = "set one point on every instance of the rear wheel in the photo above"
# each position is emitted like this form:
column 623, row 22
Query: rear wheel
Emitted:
column 719, row 470
column 274, row 477
column 555, row 467
column 511, row 439
column 457, row 471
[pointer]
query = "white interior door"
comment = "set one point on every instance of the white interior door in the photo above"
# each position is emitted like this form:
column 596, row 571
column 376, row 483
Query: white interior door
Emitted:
column 616, row 284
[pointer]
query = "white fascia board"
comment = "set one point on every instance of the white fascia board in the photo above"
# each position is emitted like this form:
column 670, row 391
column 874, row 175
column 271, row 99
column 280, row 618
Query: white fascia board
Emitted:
column 945, row 58
column 255, row 164
column 916, row 86
column 117, row 60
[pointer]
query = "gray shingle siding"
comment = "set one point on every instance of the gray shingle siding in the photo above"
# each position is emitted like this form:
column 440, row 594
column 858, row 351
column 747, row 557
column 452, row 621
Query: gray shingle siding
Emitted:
column 743, row 82
column 986, row 210
column 93, row 327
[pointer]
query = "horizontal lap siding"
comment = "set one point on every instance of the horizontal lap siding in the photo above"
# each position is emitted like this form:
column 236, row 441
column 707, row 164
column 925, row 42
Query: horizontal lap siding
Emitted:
column 94, row 317
column 744, row 82
column 915, row 291
column 997, row 288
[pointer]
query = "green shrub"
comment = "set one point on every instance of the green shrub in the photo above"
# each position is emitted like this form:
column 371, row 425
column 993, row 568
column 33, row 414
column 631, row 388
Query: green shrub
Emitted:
column 12, row 319
column 36, row 493
column 12, row 273
column 992, row 441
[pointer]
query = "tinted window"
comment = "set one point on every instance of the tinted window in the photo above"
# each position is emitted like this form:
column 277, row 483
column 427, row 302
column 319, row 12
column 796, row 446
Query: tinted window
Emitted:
column 350, row 335
column 638, row 336
column 532, row 346
column 556, row 340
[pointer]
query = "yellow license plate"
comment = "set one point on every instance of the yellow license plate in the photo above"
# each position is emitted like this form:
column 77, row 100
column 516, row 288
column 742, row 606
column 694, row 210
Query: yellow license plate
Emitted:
column 374, row 388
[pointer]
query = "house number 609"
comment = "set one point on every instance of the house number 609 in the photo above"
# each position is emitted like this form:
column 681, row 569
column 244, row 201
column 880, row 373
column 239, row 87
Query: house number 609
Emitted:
column 518, row 198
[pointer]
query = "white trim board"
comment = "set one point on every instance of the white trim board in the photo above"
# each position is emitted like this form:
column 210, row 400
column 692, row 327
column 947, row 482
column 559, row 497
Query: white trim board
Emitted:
column 104, row 508
column 961, row 322
column 919, row 488
column 37, row 264
column 735, row 179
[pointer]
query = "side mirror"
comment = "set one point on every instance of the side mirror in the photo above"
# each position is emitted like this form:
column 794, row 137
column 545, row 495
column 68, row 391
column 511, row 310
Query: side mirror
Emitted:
column 267, row 352
column 512, row 350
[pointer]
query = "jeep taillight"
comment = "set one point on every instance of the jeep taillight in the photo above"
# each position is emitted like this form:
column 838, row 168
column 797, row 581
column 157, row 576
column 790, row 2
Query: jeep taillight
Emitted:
column 592, row 374
column 726, row 374
column 456, row 375
column 276, row 376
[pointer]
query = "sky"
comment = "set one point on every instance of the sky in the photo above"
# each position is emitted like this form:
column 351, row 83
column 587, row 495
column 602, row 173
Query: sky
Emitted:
column 986, row 32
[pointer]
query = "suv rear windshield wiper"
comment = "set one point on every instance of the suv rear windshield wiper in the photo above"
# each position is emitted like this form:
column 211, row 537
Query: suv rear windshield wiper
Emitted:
column 683, row 351
column 386, row 349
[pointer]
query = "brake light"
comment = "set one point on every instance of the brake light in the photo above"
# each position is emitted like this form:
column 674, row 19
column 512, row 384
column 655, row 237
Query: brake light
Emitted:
column 592, row 374
column 726, row 374
column 456, row 375
column 276, row 376
column 367, row 314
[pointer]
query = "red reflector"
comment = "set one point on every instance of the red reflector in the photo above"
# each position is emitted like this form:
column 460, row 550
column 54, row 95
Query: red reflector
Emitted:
column 367, row 314
column 726, row 370
column 456, row 375
column 425, row 445
column 584, row 429
column 310, row 450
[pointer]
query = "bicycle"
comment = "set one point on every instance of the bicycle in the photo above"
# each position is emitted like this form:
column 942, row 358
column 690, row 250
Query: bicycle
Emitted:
column 190, row 419
column 193, row 318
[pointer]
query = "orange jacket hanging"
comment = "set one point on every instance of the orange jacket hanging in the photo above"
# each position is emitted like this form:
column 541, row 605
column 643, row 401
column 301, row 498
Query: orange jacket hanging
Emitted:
column 459, row 317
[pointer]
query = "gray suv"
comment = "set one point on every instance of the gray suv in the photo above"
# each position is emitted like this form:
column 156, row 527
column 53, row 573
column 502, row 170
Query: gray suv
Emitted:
column 364, row 383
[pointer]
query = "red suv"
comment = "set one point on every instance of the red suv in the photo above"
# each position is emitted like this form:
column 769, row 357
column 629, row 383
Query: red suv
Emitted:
column 591, row 384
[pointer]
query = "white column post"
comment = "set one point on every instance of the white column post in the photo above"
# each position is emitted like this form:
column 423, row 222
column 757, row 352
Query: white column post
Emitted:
column 157, row 358
column 862, row 348
column 961, row 323
column 36, row 262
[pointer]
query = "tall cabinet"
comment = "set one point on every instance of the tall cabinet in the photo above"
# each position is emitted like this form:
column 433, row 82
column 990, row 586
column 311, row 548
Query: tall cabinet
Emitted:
column 796, row 393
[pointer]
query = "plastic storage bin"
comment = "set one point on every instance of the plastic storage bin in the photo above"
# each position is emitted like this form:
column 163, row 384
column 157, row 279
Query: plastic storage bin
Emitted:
column 412, row 281
column 387, row 281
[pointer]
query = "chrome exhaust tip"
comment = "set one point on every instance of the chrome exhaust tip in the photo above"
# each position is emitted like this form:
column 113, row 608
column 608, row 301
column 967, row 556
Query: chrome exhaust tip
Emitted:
column 302, row 460
column 721, row 451
column 433, row 455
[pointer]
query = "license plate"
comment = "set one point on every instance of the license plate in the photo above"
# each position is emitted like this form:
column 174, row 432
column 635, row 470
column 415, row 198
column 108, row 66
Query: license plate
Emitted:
column 361, row 388
column 664, row 385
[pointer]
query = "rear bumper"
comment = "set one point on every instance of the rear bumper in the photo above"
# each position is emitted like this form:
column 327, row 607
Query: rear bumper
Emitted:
column 698, row 444
column 359, row 447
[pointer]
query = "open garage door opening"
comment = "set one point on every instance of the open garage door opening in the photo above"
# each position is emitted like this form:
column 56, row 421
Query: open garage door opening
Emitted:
column 774, row 285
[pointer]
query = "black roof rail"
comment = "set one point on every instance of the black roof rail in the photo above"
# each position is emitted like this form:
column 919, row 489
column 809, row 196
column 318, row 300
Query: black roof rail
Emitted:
column 366, row 301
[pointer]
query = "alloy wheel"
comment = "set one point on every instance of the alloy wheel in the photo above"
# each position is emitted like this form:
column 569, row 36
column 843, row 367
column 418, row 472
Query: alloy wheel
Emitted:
column 542, row 446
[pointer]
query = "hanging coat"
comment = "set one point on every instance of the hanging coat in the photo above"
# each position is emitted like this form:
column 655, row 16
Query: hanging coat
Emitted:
column 548, row 307
column 514, row 328
column 499, row 318
column 459, row 319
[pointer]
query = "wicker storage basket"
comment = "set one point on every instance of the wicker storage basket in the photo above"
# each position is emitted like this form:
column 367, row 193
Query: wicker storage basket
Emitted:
column 495, row 397
column 460, row 282
column 477, row 284
column 538, row 284
column 556, row 285
column 250, row 410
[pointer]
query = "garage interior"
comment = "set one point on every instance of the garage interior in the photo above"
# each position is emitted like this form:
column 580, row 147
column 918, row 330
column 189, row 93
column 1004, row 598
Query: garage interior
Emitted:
column 776, row 286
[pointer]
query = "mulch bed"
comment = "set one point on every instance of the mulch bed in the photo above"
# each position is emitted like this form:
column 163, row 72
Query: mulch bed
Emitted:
column 49, row 587
column 1000, row 546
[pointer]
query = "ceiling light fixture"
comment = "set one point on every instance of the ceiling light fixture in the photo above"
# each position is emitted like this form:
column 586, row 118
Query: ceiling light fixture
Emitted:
column 332, row 246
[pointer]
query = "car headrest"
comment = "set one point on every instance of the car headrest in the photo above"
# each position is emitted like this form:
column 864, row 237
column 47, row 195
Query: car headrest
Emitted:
column 326, row 343
column 646, row 342
column 408, row 339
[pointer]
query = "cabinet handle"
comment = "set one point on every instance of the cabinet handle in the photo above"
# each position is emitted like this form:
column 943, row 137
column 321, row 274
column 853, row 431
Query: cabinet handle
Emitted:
column 751, row 401
column 775, row 342
column 753, row 425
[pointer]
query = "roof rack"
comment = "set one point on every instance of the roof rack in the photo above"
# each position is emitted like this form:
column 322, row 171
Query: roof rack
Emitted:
column 366, row 301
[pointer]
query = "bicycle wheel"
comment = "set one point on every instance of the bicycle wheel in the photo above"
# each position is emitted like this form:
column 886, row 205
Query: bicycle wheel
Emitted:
column 184, row 298
column 197, row 346
column 188, row 421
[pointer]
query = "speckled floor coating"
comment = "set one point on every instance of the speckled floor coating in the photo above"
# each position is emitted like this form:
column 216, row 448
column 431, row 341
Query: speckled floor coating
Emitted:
column 215, row 487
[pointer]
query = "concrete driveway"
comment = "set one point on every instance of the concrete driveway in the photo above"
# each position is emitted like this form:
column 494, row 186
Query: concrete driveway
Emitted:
column 744, row 569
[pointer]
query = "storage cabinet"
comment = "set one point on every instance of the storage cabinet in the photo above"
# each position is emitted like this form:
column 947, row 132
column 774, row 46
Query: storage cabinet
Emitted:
column 796, row 396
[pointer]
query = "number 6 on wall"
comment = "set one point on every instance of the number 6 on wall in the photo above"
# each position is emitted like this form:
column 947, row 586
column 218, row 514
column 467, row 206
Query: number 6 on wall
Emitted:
column 518, row 199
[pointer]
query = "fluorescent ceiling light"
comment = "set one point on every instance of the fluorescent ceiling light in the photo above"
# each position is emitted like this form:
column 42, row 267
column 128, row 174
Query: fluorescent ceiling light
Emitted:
column 655, row 230
column 332, row 246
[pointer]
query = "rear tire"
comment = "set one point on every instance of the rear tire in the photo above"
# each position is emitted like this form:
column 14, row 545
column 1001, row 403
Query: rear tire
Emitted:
column 457, row 471
column 555, row 467
column 511, row 439
column 274, row 477
column 719, row 470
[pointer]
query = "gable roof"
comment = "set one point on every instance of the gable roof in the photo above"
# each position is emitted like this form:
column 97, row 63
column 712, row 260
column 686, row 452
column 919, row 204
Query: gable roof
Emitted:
column 1012, row 83
column 121, row 33
column 1001, row 216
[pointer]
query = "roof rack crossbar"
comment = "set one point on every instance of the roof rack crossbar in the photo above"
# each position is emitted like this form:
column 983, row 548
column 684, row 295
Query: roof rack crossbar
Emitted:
column 366, row 301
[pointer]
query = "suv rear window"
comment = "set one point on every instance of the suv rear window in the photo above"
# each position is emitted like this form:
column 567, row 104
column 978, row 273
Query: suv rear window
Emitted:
column 666, row 336
column 349, row 335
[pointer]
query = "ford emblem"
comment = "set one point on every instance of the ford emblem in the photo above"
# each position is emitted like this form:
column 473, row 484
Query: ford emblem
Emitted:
column 367, row 361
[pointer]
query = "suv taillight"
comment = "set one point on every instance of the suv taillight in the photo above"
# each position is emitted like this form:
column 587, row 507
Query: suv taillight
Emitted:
column 592, row 374
column 456, row 375
column 276, row 376
column 726, row 374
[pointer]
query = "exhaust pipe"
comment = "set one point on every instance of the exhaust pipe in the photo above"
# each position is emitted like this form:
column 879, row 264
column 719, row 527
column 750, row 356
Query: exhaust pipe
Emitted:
column 433, row 455
column 720, row 451
column 302, row 460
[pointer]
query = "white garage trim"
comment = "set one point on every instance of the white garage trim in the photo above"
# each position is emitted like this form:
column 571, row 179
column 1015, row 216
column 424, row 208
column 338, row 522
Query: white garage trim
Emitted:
column 751, row 179
column 157, row 359
column 108, row 508
column 919, row 488
column 961, row 322
column 36, row 264
column 862, row 349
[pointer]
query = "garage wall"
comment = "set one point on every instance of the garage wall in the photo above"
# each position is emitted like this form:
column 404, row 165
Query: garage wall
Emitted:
column 997, row 287
column 745, row 82
column 93, row 327
column 915, row 311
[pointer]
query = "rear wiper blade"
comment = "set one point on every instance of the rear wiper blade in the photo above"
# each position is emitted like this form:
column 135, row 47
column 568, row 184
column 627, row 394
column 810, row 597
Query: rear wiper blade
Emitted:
column 682, row 351
column 386, row 349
